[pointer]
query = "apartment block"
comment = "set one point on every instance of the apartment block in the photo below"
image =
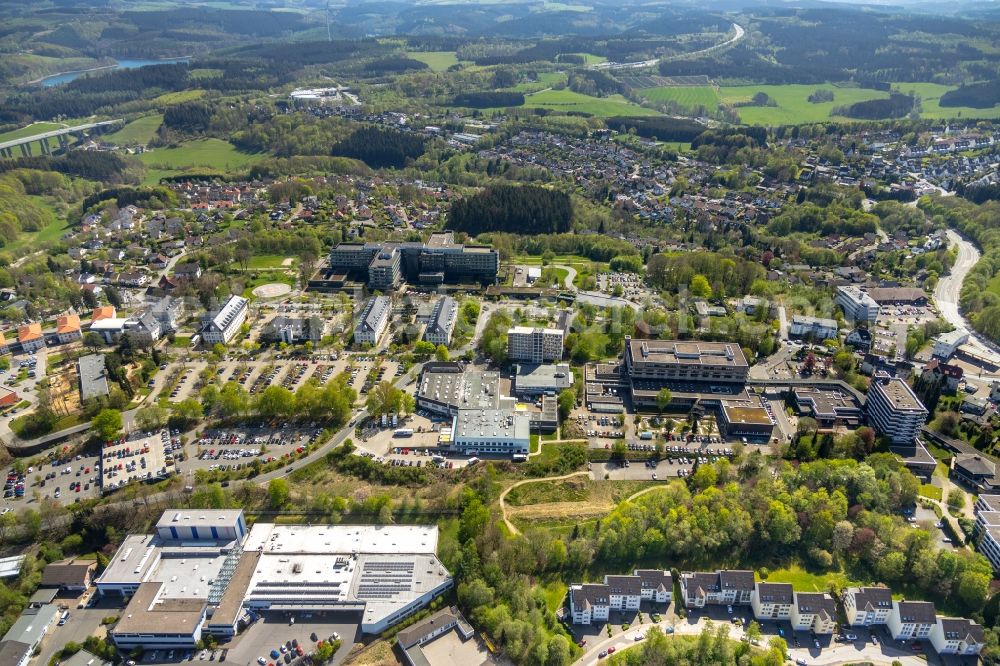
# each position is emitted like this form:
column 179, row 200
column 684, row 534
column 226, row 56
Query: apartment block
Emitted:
column 534, row 345
column 867, row 606
column 857, row 305
column 441, row 325
column 724, row 587
column 593, row 602
column 373, row 321
column 894, row 410
column 657, row 585
column 955, row 635
column 222, row 325
column 589, row 603
column 772, row 601
column 911, row 619
column 815, row 612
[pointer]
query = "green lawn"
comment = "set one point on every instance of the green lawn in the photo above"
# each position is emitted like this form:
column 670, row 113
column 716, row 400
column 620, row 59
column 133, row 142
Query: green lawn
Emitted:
column 139, row 131
column 167, row 99
column 569, row 101
column 590, row 58
column 805, row 581
column 930, row 491
column 265, row 261
column 555, row 593
column 438, row 61
column 203, row 153
column 687, row 96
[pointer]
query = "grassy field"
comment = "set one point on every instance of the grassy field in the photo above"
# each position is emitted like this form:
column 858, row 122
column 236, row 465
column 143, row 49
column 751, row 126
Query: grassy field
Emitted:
column 687, row 96
column 554, row 593
column 210, row 153
column 590, row 58
column 930, row 96
column 139, row 131
column 805, row 581
column 436, row 60
column 544, row 492
column 29, row 241
column 793, row 106
column 178, row 97
column 268, row 261
column 567, row 100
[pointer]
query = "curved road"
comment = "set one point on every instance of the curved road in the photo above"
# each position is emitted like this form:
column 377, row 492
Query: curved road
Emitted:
column 946, row 295
column 739, row 33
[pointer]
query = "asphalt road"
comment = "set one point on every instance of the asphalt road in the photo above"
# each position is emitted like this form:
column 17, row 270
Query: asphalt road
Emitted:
column 946, row 294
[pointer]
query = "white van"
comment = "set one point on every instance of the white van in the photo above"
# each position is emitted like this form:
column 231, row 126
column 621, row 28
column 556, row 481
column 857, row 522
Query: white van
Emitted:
column 64, row 618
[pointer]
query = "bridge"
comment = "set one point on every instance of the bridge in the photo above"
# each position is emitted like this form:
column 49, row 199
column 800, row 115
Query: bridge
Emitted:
column 24, row 143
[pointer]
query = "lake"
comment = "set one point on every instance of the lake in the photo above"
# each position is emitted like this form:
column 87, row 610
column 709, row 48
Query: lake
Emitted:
column 66, row 77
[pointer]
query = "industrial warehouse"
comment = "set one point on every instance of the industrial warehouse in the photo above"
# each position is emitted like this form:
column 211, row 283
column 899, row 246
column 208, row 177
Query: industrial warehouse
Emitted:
column 203, row 572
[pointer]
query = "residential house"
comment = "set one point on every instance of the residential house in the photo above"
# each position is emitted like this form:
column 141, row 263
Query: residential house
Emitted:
column 947, row 375
column 772, row 601
column 956, row 635
column 815, row 612
column 865, row 606
column 132, row 279
column 188, row 271
column 69, row 574
column 30, row 336
column 144, row 330
column 68, row 328
column 911, row 619
column 103, row 312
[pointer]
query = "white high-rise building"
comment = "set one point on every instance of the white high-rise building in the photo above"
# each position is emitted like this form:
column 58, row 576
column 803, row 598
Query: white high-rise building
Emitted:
column 894, row 410
column 857, row 305
column 534, row 345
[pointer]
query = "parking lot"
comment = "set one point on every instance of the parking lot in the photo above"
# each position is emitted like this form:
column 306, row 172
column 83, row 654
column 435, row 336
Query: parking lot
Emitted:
column 138, row 457
column 236, row 448
column 273, row 631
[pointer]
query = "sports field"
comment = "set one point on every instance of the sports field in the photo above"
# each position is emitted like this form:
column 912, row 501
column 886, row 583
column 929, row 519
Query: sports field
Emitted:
column 140, row 131
column 567, row 101
column 211, row 153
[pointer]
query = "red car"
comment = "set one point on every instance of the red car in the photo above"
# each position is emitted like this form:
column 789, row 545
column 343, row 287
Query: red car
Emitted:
column 583, row 641
column 611, row 650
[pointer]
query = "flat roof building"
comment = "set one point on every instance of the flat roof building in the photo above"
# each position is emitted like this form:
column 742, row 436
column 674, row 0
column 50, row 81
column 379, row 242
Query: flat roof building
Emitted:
column 93, row 377
column 491, row 431
column 857, row 305
column 745, row 416
column 894, row 409
column 549, row 379
column 829, row 407
column 534, row 345
column 446, row 387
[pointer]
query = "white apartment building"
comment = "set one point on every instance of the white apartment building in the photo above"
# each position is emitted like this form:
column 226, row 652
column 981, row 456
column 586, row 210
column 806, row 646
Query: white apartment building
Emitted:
column 987, row 528
column 657, row 585
column 820, row 329
column 589, row 603
column 625, row 592
column 723, row 587
column 857, row 305
column 373, row 322
column 223, row 325
column 441, row 325
column 534, row 345
column 772, row 601
column 946, row 344
column 815, row 612
column 957, row 635
column 911, row 619
column 894, row 409
column 866, row 606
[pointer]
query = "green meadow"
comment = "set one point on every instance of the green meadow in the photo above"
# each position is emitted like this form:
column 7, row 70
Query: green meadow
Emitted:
column 686, row 96
column 569, row 101
column 140, row 131
column 203, row 153
column 436, row 60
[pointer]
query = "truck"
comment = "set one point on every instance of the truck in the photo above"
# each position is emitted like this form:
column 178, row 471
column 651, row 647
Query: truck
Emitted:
column 645, row 434
column 403, row 432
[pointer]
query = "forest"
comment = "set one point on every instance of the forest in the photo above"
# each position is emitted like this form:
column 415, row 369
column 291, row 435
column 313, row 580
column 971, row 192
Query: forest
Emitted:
column 983, row 95
column 662, row 129
column 488, row 99
column 381, row 147
column 897, row 106
column 525, row 209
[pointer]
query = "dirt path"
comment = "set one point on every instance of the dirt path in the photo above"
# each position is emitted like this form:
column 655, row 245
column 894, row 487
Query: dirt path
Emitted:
column 559, row 509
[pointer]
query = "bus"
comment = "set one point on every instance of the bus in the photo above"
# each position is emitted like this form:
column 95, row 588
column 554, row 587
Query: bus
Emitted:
column 403, row 432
